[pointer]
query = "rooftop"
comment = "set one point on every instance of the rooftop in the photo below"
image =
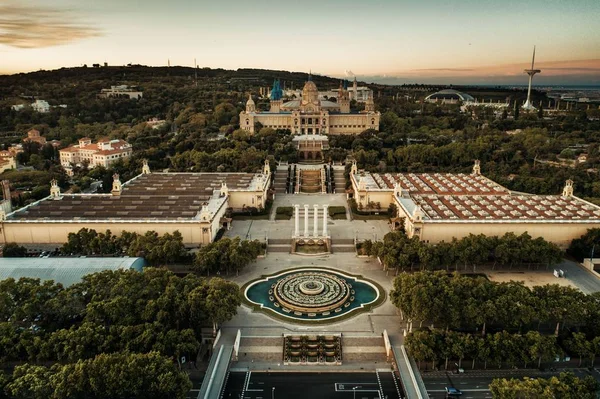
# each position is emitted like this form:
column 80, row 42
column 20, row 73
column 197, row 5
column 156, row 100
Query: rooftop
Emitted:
column 434, row 183
column 505, row 207
column 155, row 196
column 67, row 271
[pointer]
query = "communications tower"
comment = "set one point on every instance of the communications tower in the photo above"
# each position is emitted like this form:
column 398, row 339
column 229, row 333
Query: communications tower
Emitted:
column 531, row 72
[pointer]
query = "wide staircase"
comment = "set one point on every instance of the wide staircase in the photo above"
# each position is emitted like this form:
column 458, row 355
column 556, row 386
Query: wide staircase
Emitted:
column 281, row 175
column 311, row 181
column 279, row 245
column 342, row 245
column 338, row 179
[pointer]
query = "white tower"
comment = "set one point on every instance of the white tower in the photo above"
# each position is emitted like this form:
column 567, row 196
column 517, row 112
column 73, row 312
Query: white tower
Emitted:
column 531, row 72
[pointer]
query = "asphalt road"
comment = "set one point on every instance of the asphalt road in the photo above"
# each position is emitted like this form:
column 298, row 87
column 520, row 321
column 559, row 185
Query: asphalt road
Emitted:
column 382, row 385
column 475, row 383
column 585, row 280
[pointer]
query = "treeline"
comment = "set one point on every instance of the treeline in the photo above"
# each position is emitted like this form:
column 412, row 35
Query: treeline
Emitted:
column 114, row 376
column 397, row 251
column 111, row 312
column 227, row 255
column 157, row 250
column 474, row 303
column 501, row 348
column 585, row 246
column 564, row 386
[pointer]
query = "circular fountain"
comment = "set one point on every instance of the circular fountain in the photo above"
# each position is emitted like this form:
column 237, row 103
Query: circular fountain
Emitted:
column 312, row 294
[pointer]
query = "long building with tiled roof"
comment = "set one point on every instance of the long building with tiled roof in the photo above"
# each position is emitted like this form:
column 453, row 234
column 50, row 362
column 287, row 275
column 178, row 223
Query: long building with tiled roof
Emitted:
column 441, row 206
column 103, row 153
column 192, row 203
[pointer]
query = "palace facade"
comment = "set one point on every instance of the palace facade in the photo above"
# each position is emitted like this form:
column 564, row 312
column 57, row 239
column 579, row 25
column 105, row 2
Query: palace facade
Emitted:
column 310, row 114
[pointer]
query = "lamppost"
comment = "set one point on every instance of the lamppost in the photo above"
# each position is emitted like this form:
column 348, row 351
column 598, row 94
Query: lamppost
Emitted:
column 354, row 391
column 273, row 393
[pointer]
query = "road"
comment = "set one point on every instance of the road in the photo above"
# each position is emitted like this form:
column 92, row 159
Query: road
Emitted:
column 253, row 385
column 584, row 279
column 475, row 383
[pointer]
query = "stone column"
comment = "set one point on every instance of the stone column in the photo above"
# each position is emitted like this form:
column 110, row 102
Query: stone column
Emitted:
column 297, row 220
column 325, row 220
column 306, row 220
column 316, row 221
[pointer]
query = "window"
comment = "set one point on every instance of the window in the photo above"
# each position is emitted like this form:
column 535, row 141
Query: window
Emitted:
column 205, row 230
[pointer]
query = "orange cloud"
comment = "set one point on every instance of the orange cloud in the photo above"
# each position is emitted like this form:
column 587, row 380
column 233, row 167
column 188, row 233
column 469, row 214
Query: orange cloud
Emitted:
column 28, row 27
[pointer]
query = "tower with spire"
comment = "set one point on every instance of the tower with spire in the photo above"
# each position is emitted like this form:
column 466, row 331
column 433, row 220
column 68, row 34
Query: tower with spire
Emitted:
column 276, row 97
column 344, row 98
column 370, row 104
column 355, row 89
column 531, row 72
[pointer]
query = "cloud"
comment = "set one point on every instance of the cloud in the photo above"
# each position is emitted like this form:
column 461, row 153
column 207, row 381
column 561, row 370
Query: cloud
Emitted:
column 349, row 73
column 29, row 27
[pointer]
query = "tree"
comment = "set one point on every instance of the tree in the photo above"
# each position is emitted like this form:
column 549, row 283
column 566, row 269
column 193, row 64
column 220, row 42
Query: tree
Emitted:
column 30, row 382
column 222, row 300
column 13, row 250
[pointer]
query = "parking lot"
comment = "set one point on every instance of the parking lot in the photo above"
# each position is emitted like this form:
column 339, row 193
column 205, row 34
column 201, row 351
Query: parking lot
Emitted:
column 325, row 385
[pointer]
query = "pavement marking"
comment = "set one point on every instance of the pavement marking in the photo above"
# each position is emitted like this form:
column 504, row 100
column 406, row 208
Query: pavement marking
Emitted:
column 246, row 388
column 396, row 383
column 341, row 387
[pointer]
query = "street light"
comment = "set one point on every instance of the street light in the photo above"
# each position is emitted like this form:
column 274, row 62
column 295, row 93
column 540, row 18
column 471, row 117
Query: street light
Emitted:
column 273, row 393
column 354, row 390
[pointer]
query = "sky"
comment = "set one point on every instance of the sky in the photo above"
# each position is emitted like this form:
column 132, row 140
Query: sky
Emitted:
column 396, row 41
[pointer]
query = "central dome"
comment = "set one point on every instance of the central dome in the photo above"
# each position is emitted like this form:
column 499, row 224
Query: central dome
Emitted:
column 310, row 93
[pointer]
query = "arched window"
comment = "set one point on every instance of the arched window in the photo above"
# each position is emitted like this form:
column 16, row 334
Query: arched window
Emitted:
column 247, row 122
column 373, row 121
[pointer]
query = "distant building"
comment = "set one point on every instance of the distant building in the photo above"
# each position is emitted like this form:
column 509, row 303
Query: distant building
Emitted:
column 103, row 153
column 41, row 106
column 34, row 136
column 66, row 271
column 156, row 123
column 310, row 114
column 357, row 93
column 449, row 96
column 122, row 91
column 7, row 161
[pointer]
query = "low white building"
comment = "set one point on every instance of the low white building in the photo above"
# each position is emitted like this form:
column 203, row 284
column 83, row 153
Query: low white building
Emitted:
column 41, row 106
column 121, row 91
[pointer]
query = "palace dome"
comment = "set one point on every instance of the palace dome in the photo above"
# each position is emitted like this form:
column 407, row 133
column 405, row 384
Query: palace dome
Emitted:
column 310, row 93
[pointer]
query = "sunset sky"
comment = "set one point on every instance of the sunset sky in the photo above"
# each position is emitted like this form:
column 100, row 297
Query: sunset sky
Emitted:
column 451, row 41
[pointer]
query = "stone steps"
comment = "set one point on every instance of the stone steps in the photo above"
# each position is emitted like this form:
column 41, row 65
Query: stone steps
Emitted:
column 342, row 249
column 279, row 248
column 280, row 241
column 342, row 241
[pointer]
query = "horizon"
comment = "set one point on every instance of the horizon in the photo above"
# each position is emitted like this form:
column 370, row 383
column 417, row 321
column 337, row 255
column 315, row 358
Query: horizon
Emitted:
column 472, row 42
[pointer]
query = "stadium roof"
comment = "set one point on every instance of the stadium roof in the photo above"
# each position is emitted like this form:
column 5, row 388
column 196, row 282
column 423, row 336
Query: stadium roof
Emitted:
column 67, row 271
column 449, row 94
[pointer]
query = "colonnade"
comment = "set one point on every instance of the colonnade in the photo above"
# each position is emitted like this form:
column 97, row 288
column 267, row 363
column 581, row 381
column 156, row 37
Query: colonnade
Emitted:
column 315, row 231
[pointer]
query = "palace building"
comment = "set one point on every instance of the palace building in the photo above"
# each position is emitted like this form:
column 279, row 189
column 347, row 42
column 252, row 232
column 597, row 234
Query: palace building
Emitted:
column 192, row 203
column 441, row 206
column 310, row 114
